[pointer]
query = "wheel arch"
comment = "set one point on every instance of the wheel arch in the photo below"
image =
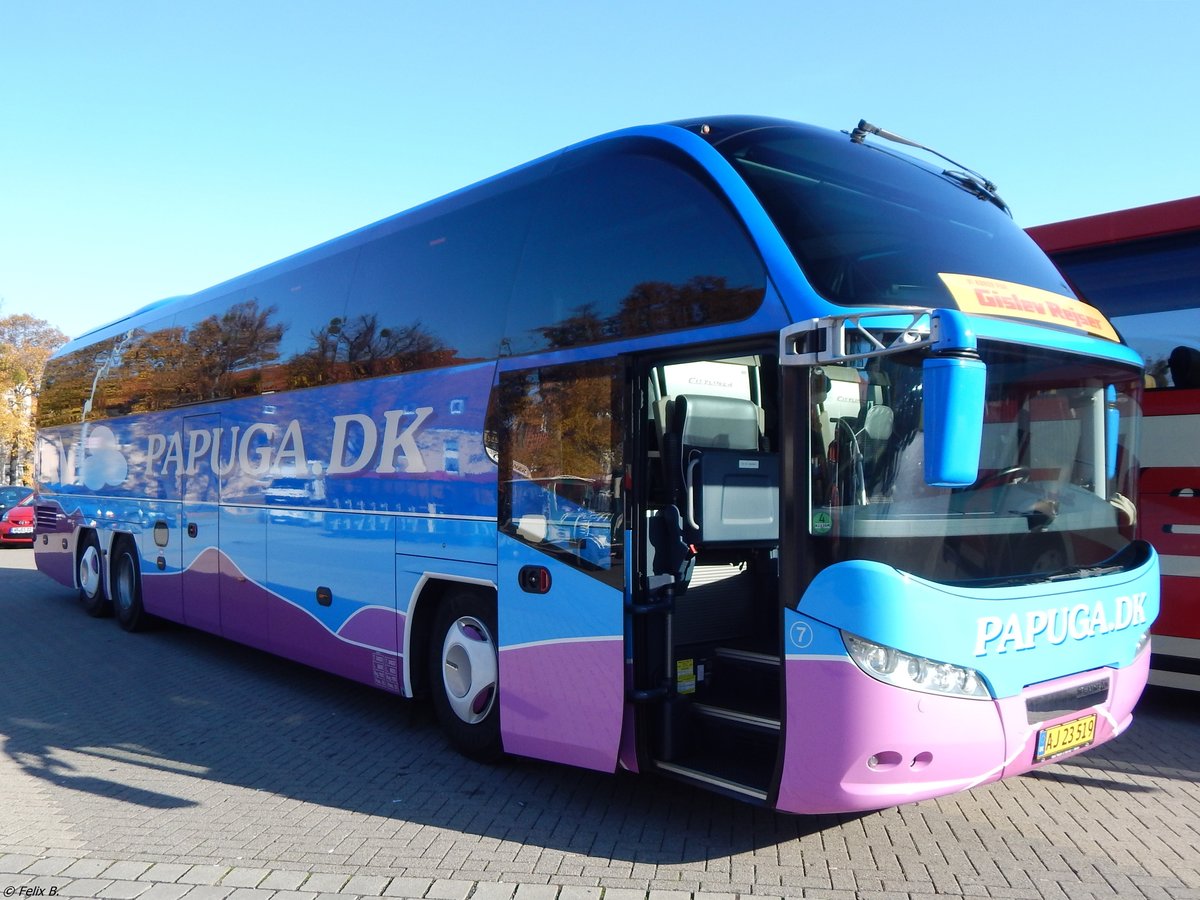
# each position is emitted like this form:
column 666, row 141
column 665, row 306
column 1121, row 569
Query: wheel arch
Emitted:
column 423, row 607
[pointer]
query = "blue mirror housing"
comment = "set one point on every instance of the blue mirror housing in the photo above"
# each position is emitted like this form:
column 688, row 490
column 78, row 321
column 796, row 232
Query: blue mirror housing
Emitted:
column 955, row 378
column 954, row 402
column 1112, row 428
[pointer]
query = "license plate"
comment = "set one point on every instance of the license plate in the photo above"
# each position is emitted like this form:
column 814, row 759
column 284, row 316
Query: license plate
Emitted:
column 1067, row 736
column 28, row 529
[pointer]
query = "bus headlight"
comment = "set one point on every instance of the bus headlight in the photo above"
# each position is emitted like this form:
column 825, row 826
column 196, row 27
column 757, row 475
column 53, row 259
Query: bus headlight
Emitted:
column 915, row 673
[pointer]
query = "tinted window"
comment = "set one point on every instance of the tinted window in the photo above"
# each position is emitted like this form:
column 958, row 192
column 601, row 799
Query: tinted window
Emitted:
column 625, row 245
column 65, row 386
column 560, row 456
column 226, row 344
column 434, row 293
column 298, row 307
column 135, row 371
column 142, row 373
column 871, row 227
column 261, row 337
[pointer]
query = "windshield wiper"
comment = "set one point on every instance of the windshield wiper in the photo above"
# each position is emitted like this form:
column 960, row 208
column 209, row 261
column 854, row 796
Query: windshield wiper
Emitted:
column 968, row 179
column 1084, row 571
column 982, row 189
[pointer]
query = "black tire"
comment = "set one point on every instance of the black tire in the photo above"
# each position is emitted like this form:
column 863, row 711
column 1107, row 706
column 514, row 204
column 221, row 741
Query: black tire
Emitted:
column 464, row 667
column 90, row 572
column 127, row 587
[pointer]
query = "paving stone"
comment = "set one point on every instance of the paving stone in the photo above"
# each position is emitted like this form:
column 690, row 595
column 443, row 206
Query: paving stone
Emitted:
column 325, row 883
column 203, row 874
column 127, row 870
column 449, row 889
column 408, row 887
column 366, row 885
column 86, row 868
column 283, row 880
column 580, row 892
column 537, row 892
column 165, row 891
column 123, row 890
column 499, row 890
column 17, row 862
column 170, row 872
column 251, row 894
column 239, row 877
column 84, row 887
column 208, row 892
column 49, row 865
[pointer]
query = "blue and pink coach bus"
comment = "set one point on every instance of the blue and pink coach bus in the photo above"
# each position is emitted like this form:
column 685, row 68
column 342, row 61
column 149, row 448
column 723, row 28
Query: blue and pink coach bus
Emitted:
column 769, row 458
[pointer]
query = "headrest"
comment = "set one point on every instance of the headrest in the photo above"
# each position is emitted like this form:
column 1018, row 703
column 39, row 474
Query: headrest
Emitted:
column 879, row 423
column 725, row 422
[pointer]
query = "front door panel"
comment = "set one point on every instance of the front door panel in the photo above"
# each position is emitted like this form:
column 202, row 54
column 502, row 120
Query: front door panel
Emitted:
column 561, row 600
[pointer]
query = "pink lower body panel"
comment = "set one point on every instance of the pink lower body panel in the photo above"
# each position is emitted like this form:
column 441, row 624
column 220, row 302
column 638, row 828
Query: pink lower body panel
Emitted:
column 564, row 701
column 854, row 743
column 1112, row 718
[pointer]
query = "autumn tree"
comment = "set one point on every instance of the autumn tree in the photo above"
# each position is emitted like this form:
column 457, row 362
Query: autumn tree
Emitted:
column 26, row 343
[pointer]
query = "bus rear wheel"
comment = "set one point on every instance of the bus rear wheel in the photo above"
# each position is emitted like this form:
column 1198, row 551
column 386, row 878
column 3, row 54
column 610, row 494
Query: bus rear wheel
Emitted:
column 127, row 587
column 91, row 580
column 465, row 674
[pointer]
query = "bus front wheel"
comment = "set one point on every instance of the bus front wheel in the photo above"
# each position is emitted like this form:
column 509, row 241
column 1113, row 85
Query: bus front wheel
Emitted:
column 91, row 587
column 465, row 674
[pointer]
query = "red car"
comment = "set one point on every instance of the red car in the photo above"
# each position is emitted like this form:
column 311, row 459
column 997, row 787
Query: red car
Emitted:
column 16, row 525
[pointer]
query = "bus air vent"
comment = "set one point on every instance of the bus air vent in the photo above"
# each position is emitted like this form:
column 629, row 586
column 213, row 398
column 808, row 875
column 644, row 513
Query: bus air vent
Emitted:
column 1060, row 703
column 47, row 518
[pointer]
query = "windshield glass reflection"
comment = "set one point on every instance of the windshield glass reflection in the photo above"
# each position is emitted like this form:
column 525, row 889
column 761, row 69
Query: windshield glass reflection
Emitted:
column 1055, row 488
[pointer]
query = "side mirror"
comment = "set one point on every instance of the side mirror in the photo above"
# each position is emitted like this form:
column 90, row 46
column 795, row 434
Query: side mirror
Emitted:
column 954, row 401
column 1112, row 429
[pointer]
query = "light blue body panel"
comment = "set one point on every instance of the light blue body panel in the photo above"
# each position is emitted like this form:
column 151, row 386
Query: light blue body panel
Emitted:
column 1013, row 636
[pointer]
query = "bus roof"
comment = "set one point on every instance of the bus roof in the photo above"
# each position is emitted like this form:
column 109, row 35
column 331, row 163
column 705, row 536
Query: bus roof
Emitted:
column 681, row 133
column 1154, row 220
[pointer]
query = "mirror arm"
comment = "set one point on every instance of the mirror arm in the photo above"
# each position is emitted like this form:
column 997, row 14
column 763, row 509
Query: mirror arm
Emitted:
column 852, row 336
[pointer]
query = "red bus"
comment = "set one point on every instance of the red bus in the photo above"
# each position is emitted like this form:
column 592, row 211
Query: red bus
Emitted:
column 1141, row 267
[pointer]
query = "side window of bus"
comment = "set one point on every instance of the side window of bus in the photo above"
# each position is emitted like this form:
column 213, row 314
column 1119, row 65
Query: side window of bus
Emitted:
column 127, row 373
column 138, row 377
column 265, row 336
column 226, row 342
column 434, row 293
column 561, row 462
column 627, row 245
column 66, row 379
column 304, row 305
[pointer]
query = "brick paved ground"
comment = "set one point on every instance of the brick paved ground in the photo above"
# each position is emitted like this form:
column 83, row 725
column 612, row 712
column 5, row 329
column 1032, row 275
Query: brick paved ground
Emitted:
column 174, row 765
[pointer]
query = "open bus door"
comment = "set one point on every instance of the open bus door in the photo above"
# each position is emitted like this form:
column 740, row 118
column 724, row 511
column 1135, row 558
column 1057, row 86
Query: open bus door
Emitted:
column 561, row 569
column 706, row 675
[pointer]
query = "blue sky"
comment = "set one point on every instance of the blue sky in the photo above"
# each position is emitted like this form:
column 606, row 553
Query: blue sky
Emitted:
column 150, row 149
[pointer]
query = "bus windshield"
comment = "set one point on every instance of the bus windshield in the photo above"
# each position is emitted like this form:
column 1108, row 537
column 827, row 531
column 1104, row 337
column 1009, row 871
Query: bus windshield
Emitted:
column 869, row 226
column 1056, row 487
